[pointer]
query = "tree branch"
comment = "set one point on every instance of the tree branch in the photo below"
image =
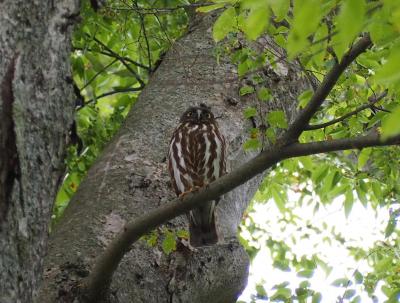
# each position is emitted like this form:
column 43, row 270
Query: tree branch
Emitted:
column 107, row 263
column 116, row 91
column 371, row 101
column 105, row 53
column 158, row 10
column 98, row 73
column 143, row 29
column 301, row 122
column 142, row 84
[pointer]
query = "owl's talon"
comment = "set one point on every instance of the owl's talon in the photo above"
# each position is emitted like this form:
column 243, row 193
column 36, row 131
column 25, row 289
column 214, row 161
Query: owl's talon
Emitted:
column 190, row 248
column 181, row 195
column 191, row 190
column 196, row 188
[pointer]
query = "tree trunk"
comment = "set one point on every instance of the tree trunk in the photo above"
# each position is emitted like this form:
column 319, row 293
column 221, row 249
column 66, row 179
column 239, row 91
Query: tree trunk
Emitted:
column 130, row 178
column 36, row 109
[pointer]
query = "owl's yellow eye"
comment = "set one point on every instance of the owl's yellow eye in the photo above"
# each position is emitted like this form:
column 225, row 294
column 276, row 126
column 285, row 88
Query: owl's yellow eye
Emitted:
column 208, row 116
column 189, row 114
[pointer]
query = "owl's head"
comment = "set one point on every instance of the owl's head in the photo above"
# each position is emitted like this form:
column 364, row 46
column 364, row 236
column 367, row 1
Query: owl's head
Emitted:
column 198, row 114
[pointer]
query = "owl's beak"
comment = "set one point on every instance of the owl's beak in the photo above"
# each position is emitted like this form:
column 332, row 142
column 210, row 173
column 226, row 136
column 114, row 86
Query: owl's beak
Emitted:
column 198, row 112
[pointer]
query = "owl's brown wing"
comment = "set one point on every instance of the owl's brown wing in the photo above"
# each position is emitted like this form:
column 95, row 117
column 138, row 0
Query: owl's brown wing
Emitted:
column 178, row 165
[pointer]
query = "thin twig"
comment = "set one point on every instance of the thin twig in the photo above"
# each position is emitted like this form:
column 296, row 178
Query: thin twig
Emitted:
column 326, row 38
column 371, row 102
column 113, row 92
column 142, row 84
column 143, row 29
column 98, row 73
column 106, row 53
column 163, row 29
column 152, row 10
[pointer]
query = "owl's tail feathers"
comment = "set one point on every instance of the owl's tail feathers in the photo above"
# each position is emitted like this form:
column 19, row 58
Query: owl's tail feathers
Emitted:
column 202, row 226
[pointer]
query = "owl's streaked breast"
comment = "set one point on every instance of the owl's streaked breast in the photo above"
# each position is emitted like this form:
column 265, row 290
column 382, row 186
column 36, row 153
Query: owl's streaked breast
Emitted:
column 196, row 155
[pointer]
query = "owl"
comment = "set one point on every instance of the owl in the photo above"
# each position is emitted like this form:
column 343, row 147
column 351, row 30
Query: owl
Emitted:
column 196, row 157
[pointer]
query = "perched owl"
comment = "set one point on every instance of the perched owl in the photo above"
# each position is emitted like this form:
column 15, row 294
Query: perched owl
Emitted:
column 196, row 157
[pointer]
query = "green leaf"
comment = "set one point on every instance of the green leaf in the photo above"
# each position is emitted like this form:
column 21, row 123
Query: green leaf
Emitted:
column 361, row 193
column 306, row 162
column 252, row 144
column 246, row 90
column 304, row 98
column 81, row 166
column 348, row 202
column 381, row 32
column 301, row 293
column 250, row 112
column 358, row 277
column 305, row 284
column 394, row 297
column 349, row 293
column 279, row 201
column 78, row 66
column 390, row 227
column 151, row 239
column 377, row 190
column 261, row 290
column 282, row 265
column 263, row 94
column 169, row 243
column 270, row 134
column 328, row 181
column 209, row 8
column 320, row 173
column 316, row 298
column 349, row 24
column 279, row 8
column 341, row 282
column 225, row 23
column 182, row 233
column 363, row 157
column 257, row 18
column 306, row 273
column 390, row 71
column 124, row 73
column 277, row 119
column 390, row 123
column 306, row 17
column 338, row 190
column 281, row 294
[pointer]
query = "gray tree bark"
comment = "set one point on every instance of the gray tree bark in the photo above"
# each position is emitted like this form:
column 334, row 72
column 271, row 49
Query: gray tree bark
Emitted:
column 36, row 110
column 130, row 178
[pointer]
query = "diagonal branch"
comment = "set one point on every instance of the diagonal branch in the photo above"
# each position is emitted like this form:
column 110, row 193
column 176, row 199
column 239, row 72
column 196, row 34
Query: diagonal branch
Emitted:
column 112, row 55
column 301, row 122
column 107, row 263
column 98, row 73
column 115, row 91
column 142, row 84
column 371, row 102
